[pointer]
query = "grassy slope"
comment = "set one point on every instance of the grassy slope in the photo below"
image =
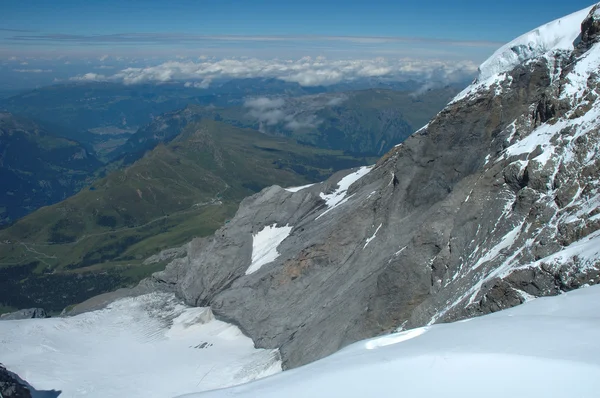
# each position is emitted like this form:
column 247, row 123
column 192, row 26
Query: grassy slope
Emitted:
column 184, row 189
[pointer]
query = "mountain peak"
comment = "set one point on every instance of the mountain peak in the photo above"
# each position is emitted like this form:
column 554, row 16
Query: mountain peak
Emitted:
column 560, row 35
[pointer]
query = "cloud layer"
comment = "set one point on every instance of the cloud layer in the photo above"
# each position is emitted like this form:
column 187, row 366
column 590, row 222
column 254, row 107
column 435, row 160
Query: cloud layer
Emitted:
column 306, row 71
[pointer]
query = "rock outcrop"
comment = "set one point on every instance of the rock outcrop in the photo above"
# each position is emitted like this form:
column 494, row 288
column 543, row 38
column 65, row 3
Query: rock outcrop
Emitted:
column 494, row 202
column 25, row 314
column 11, row 386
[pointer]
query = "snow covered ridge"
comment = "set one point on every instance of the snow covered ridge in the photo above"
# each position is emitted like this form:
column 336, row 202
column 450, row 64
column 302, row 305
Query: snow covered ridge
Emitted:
column 147, row 346
column 520, row 352
column 558, row 35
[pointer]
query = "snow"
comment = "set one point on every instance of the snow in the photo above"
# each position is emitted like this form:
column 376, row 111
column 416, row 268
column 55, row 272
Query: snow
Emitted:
column 296, row 189
column 148, row 346
column 372, row 237
column 527, row 351
column 264, row 245
column 339, row 196
column 554, row 36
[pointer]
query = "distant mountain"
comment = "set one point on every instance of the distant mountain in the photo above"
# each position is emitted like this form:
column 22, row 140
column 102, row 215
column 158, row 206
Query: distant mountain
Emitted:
column 185, row 188
column 102, row 116
column 38, row 168
column 364, row 122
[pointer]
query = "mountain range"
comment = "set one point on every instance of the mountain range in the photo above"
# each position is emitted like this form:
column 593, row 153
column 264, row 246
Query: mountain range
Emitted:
column 492, row 204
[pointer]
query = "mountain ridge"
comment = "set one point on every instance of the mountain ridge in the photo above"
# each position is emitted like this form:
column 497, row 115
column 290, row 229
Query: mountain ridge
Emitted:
column 494, row 202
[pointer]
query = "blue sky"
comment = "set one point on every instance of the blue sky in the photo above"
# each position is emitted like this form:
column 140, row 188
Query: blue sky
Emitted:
column 127, row 32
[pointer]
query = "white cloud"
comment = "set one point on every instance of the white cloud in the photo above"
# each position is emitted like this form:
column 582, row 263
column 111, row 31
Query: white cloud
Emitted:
column 306, row 71
column 205, row 83
column 90, row 77
column 103, row 58
column 264, row 103
column 32, row 70
column 290, row 113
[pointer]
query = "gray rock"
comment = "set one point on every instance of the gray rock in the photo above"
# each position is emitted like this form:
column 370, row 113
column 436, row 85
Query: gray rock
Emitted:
column 25, row 314
column 11, row 386
column 447, row 225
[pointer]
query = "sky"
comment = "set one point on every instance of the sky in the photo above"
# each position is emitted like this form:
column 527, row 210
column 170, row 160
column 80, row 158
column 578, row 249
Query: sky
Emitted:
column 45, row 41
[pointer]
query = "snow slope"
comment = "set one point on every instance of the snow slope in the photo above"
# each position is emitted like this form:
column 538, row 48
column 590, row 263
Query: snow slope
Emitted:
column 558, row 35
column 148, row 346
column 548, row 347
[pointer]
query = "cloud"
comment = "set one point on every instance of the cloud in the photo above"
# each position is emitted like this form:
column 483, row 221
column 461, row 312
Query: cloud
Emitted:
column 264, row 103
column 104, row 67
column 32, row 70
column 103, row 58
column 89, row 77
column 290, row 113
column 203, row 84
column 336, row 101
column 306, row 71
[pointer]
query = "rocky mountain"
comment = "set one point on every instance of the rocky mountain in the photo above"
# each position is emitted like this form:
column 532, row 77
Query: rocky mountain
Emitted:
column 496, row 201
column 38, row 167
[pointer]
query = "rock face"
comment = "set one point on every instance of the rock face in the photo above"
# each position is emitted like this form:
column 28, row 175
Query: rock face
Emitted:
column 11, row 386
column 25, row 314
column 494, row 202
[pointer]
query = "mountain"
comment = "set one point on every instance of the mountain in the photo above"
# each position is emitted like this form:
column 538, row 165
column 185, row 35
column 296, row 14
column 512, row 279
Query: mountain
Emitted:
column 493, row 203
column 364, row 122
column 38, row 168
column 103, row 115
column 100, row 237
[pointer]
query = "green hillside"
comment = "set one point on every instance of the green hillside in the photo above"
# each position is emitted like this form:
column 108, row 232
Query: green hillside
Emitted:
column 97, row 240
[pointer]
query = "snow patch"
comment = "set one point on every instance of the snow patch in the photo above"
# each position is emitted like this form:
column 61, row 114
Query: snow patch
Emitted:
column 394, row 338
column 264, row 245
column 372, row 237
column 296, row 189
column 338, row 197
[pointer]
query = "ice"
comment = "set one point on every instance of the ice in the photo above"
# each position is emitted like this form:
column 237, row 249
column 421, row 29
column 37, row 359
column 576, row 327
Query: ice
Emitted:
column 547, row 347
column 338, row 197
column 264, row 245
column 147, row 346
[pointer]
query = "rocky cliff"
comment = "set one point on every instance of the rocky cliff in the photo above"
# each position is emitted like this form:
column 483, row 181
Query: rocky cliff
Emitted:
column 493, row 203
column 11, row 386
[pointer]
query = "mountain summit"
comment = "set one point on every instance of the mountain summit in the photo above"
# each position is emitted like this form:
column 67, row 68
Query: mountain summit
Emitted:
column 491, row 204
